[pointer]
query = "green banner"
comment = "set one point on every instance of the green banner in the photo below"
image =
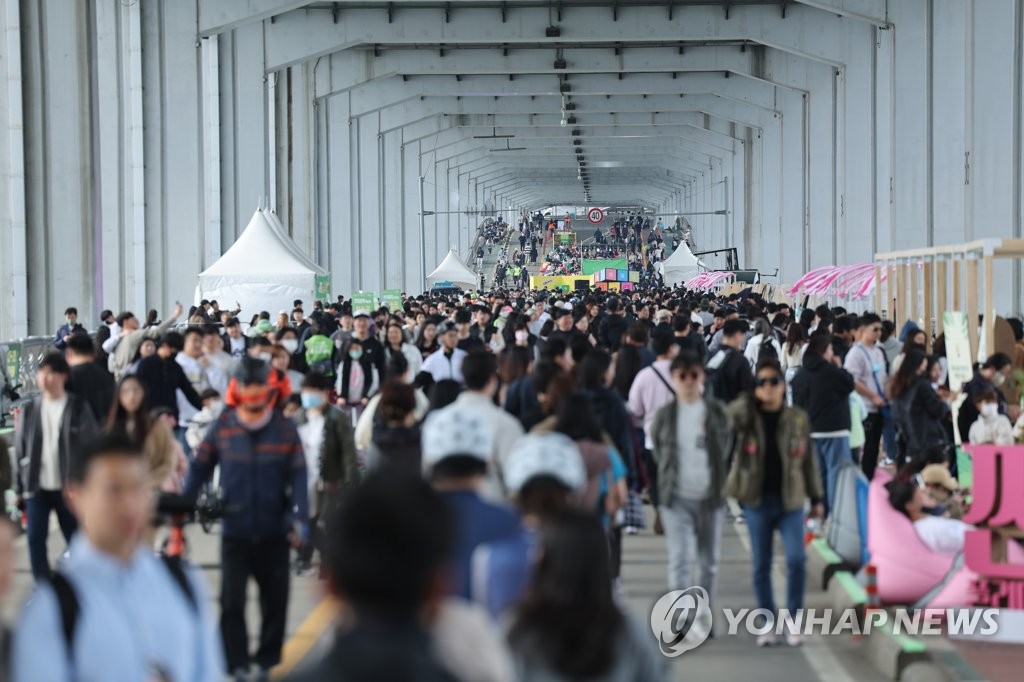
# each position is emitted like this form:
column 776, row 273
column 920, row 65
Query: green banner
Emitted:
column 392, row 298
column 323, row 287
column 364, row 300
column 13, row 362
column 590, row 265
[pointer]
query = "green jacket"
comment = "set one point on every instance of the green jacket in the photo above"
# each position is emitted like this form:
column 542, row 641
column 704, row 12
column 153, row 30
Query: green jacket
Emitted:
column 800, row 477
column 339, row 465
column 320, row 354
column 718, row 441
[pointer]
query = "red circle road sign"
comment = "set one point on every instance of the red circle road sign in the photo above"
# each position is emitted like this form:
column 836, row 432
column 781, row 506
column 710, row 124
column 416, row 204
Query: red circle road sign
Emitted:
column 595, row 215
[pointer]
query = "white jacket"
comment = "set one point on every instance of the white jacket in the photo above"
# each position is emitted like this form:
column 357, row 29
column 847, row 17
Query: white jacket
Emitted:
column 994, row 430
column 754, row 349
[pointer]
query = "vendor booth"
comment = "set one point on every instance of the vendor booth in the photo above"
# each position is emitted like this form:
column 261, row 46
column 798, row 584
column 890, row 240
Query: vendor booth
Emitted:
column 263, row 270
column 452, row 270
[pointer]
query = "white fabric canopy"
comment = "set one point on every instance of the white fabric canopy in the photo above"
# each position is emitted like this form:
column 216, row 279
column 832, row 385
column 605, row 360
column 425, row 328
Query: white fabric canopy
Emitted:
column 263, row 270
column 452, row 270
column 680, row 266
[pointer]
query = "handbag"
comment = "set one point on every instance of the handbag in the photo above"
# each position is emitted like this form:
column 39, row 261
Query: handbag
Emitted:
column 633, row 512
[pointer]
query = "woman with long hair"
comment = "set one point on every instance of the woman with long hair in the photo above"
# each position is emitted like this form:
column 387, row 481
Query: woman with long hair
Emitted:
column 426, row 338
column 918, row 412
column 628, row 363
column 606, row 473
column 129, row 416
column 395, row 443
column 395, row 344
column 568, row 626
column 594, row 376
column 914, row 340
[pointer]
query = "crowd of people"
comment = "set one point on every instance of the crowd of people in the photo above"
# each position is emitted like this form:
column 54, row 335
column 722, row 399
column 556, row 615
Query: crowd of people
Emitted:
column 477, row 458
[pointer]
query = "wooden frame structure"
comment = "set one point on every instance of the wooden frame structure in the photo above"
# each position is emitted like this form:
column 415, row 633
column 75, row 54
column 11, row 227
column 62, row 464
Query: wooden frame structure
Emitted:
column 947, row 277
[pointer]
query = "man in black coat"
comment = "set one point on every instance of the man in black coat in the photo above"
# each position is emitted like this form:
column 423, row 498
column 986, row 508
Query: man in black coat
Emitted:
column 822, row 389
column 88, row 380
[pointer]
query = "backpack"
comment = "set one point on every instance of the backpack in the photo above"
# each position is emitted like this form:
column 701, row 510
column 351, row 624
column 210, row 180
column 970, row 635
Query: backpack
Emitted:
column 766, row 351
column 67, row 600
column 714, row 376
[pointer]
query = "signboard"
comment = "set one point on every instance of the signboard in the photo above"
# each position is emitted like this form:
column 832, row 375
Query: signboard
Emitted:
column 364, row 300
column 958, row 348
column 996, row 513
column 595, row 215
column 392, row 298
column 323, row 287
column 591, row 265
column 12, row 362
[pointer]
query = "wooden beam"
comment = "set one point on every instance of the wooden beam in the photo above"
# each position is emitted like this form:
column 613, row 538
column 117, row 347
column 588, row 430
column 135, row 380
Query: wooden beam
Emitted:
column 878, row 290
column 957, row 282
column 972, row 305
column 898, row 309
column 940, row 295
column 989, row 308
column 928, row 288
column 914, row 275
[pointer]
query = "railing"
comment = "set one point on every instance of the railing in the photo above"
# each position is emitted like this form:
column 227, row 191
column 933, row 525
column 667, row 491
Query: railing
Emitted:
column 20, row 364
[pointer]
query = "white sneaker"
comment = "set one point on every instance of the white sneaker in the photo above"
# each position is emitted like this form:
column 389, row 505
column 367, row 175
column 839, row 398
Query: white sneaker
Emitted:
column 767, row 639
column 794, row 638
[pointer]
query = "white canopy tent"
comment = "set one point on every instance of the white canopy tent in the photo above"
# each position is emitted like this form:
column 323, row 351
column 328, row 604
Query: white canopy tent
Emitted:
column 452, row 270
column 680, row 266
column 262, row 270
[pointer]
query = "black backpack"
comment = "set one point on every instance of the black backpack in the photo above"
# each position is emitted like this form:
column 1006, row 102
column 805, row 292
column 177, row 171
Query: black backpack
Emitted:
column 714, row 376
column 67, row 599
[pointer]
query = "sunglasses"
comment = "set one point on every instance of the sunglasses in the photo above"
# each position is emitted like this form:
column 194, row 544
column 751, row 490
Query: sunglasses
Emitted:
column 770, row 381
column 693, row 375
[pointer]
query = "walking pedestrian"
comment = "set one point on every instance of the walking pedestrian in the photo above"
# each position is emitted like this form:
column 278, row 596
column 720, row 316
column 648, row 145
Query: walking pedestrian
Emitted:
column 773, row 472
column 263, row 472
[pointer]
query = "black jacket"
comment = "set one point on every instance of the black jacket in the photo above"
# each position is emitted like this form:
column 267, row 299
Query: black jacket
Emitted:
column 918, row 414
column 729, row 375
column 822, row 390
column 162, row 378
column 77, row 426
column 612, row 331
column 95, row 385
column 227, row 342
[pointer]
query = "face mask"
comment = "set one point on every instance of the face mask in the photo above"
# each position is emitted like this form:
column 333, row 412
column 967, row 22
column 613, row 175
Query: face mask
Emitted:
column 290, row 345
column 311, row 401
column 989, row 410
column 522, row 336
column 266, row 357
column 355, row 354
column 70, row 322
column 999, row 379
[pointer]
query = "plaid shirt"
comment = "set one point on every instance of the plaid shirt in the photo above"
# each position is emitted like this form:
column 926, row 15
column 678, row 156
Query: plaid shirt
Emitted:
column 262, row 474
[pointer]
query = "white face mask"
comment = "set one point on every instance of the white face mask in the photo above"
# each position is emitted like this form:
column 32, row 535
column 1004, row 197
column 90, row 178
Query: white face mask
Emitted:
column 266, row 357
column 290, row 345
column 999, row 379
column 989, row 410
column 522, row 335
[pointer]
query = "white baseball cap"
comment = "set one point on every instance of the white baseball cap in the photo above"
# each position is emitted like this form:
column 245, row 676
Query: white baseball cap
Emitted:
column 545, row 454
column 360, row 313
column 457, row 431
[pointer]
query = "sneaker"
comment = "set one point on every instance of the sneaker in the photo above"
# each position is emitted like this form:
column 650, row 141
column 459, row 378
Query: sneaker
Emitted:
column 303, row 568
column 794, row 639
column 767, row 639
column 631, row 530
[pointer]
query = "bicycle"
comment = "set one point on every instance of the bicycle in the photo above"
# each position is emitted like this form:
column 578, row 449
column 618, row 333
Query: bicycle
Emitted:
column 178, row 511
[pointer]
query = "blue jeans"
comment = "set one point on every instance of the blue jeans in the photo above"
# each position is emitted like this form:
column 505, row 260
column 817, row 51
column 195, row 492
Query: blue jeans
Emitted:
column 38, row 508
column 762, row 522
column 832, row 454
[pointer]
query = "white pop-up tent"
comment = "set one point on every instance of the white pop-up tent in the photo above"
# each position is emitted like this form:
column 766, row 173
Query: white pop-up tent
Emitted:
column 452, row 270
column 263, row 270
column 680, row 266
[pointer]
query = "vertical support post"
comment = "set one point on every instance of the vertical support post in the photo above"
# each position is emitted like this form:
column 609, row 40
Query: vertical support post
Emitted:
column 898, row 310
column 989, row 308
column 940, row 295
column 927, row 290
column 957, row 283
column 914, row 275
column 878, row 289
column 972, row 304
column 423, row 236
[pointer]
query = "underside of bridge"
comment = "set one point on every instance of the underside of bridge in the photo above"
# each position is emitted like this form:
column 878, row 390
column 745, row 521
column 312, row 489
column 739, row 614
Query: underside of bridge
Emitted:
column 140, row 136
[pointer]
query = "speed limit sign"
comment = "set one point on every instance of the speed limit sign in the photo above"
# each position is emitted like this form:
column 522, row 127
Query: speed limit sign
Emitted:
column 595, row 215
